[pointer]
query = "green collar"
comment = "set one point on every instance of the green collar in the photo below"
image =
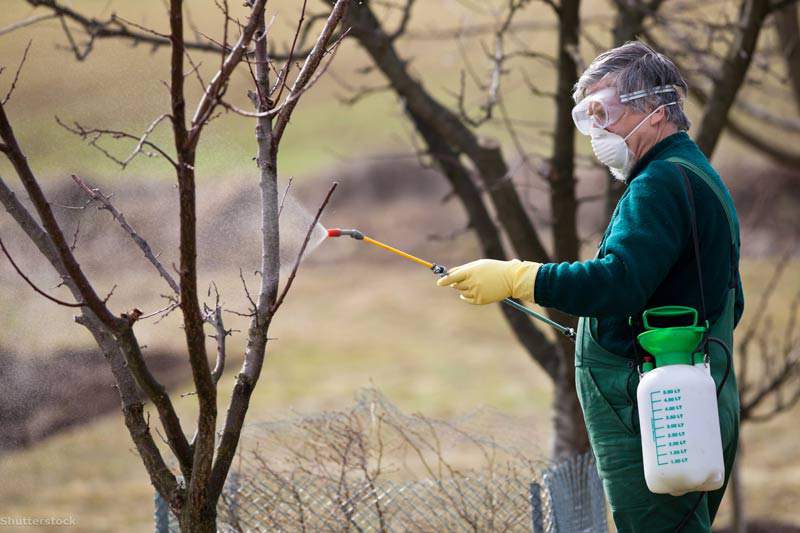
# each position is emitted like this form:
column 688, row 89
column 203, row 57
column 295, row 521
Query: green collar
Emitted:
column 661, row 150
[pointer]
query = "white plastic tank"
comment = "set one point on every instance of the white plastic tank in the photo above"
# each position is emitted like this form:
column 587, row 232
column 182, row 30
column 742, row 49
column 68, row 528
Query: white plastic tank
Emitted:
column 679, row 421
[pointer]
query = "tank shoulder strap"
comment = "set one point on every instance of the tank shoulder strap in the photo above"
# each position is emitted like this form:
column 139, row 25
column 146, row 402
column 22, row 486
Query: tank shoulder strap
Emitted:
column 718, row 192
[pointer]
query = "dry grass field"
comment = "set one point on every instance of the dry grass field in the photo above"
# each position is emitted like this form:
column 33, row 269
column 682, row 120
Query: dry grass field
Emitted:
column 355, row 318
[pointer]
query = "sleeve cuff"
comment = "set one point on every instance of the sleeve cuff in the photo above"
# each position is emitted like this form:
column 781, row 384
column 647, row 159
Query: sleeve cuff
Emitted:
column 541, row 287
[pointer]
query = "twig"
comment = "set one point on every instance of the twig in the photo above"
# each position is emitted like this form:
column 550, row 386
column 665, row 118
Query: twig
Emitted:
column 97, row 195
column 292, row 275
column 253, row 305
column 285, row 194
column 284, row 75
column 165, row 310
column 33, row 286
column 25, row 22
column 73, row 45
column 214, row 317
column 309, row 68
column 93, row 135
column 143, row 138
column 216, row 88
column 16, row 75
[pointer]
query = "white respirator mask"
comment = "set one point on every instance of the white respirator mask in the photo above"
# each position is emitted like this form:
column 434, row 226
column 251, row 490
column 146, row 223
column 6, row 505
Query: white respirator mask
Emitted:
column 612, row 150
column 602, row 109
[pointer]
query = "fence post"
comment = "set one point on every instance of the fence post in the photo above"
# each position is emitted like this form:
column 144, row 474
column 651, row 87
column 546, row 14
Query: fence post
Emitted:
column 575, row 492
column 537, row 517
column 161, row 517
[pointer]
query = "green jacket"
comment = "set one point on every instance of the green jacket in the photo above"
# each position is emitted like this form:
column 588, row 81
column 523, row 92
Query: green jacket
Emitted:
column 646, row 256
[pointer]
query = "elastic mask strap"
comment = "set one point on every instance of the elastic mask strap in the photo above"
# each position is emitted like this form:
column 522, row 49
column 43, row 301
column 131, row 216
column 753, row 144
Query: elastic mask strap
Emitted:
column 645, row 118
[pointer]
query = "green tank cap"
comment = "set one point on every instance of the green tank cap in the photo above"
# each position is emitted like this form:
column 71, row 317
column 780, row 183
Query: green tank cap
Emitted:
column 671, row 345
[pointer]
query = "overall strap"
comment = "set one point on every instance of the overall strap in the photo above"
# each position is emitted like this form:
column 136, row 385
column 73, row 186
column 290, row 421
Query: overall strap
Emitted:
column 726, row 208
column 693, row 222
column 714, row 186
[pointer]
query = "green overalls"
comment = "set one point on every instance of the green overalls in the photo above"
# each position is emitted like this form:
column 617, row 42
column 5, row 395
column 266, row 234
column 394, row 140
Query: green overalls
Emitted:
column 606, row 385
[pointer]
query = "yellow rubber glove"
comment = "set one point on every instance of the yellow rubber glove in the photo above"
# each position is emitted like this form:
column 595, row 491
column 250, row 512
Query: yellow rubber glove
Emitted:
column 487, row 281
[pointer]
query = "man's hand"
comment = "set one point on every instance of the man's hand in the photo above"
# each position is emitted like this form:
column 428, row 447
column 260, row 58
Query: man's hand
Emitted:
column 487, row 281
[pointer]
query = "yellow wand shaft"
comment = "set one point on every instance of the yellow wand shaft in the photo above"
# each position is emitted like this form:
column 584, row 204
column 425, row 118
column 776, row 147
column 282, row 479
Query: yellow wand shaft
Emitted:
column 398, row 252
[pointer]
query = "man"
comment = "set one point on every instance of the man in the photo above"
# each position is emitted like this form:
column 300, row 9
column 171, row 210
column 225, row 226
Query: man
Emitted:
column 629, row 102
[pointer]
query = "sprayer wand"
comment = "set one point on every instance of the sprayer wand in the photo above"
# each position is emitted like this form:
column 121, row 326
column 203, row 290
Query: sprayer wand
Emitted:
column 441, row 270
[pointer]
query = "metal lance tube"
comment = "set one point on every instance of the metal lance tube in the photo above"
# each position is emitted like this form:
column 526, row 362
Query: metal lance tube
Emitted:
column 441, row 270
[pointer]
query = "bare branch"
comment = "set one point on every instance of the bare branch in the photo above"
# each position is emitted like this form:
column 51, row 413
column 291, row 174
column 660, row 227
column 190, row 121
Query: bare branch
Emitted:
column 143, row 139
column 96, row 195
column 31, row 184
column 132, row 407
column 163, row 311
column 32, row 285
column 16, row 75
column 309, row 68
column 25, row 22
column 144, row 28
column 214, row 317
column 404, row 20
column 283, row 76
column 283, row 198
column 311, row 227
column 114, row 27
column 786, row 123
column 93, row 136
column 216, row 88
column 765, row 395
column 80, row 55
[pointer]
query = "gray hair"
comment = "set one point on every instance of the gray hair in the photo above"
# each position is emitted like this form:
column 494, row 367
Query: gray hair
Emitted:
column 634, row 66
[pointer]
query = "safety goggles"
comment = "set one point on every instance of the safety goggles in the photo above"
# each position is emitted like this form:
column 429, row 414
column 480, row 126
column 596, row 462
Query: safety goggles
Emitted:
column 603, row 108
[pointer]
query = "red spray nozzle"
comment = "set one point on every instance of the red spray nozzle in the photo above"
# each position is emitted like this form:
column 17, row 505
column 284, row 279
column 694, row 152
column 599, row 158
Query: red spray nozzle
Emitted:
column 354, row 233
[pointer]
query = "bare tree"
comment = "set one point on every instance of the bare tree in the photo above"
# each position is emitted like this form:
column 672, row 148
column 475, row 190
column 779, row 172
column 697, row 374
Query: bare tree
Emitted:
column 202, row 461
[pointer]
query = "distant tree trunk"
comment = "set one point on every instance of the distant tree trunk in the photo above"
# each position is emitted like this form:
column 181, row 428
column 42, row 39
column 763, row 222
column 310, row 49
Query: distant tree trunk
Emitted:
column 738, row 518
column 628, row 24
column 789, row 35
column 570, row 431
column 734, row 69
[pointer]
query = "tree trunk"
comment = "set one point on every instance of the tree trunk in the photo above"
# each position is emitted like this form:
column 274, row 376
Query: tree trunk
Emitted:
column 734, row 70
column 563, row 204
column 739, row 518
column 204, row 521
column 628, row 25
column 570, row 435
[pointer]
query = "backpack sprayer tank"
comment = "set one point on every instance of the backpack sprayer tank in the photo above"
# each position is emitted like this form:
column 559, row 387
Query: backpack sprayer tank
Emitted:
column 678, row 416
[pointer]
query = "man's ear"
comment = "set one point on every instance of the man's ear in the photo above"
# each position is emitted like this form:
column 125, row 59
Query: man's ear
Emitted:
column 659, row 116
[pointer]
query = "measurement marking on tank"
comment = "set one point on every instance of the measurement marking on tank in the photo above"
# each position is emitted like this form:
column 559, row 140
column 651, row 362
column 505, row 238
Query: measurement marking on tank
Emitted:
column 669, row 447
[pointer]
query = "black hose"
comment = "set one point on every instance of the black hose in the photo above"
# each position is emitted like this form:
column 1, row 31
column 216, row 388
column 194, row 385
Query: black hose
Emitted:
column 728, row 364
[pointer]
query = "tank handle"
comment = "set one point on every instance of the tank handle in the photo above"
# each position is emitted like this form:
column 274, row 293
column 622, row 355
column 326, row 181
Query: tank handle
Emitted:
column 669, row 311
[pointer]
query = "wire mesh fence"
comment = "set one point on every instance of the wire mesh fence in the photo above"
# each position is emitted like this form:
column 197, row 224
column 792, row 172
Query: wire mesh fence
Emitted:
column 373, row 468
